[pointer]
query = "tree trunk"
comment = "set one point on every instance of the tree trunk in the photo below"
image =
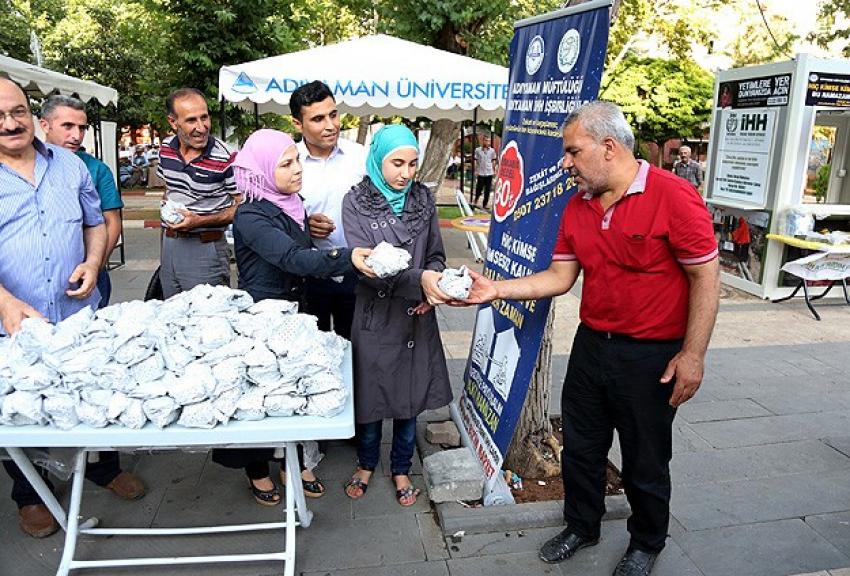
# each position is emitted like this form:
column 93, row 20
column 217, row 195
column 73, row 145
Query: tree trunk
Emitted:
column 533, row 452
column 443, row 135
column 363, row 129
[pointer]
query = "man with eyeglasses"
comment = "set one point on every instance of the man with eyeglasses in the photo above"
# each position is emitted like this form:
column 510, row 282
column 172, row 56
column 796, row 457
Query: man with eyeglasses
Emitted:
column 52, row 244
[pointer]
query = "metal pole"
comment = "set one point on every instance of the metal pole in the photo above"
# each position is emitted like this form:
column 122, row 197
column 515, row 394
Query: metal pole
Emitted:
column 462, row 163
column 222, row 118
column 256, row 116
column 472, row 179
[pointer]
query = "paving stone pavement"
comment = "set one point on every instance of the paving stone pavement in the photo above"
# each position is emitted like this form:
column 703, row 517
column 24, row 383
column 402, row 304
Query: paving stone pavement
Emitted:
column 761, row 471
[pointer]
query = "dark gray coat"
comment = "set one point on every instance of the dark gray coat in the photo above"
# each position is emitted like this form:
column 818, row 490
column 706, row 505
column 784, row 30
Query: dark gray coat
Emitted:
column 399, row 365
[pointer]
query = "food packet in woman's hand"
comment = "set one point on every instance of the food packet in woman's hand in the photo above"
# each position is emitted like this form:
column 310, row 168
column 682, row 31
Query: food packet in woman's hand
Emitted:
column 386, row 260
column 455, row 282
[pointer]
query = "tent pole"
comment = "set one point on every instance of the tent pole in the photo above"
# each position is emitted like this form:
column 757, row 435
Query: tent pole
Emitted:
column 98, row 134
column 462, row 162
column 472, row 179
column 256, row 116
column 222, row 118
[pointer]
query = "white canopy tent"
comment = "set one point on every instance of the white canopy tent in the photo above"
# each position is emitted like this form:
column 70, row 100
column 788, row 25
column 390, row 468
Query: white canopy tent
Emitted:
column 39, row 82
column 379, row 75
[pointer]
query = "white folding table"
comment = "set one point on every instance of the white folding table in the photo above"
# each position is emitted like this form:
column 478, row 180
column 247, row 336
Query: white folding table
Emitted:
column 283, row 432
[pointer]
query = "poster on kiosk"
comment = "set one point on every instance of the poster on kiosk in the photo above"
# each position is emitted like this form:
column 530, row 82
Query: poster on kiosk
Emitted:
column 556, row 66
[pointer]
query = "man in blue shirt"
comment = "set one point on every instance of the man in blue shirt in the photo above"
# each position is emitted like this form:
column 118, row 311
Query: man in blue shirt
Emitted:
column 64, row 122
column 52, row 245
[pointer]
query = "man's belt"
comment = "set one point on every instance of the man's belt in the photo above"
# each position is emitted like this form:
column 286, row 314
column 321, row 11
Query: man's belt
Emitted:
column 204, row 237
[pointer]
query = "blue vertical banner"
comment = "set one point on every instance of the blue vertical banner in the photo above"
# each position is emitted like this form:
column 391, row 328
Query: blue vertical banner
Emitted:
column 556, row 66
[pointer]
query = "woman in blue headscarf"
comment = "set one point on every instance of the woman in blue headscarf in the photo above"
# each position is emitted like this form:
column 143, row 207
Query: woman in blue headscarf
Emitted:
column 399, row 365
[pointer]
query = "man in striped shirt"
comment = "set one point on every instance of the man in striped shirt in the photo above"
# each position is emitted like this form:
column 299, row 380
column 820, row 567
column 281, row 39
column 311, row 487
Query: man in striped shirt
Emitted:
column 52, row 243
column 197, row 171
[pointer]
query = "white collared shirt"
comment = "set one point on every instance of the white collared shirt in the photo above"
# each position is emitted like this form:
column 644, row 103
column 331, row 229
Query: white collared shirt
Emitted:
column 326, row 181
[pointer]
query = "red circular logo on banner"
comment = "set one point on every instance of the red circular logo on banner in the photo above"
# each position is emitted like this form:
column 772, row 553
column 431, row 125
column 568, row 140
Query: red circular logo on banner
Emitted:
column 509, row 183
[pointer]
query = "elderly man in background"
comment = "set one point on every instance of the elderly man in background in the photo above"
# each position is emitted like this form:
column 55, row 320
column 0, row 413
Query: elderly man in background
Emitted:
column 688, row 168
column 52, row 246
column 197, row 171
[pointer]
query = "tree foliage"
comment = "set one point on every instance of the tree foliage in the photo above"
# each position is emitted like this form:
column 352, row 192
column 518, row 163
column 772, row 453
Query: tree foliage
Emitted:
column 830, row 13
column 662, row 99
column 755, row 42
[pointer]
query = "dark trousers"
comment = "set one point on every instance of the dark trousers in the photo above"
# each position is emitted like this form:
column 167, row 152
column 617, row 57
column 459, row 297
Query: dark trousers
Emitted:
column 333, row 304
column 101, row 473
column 483, row 184
column 612, row 383
column 104, row 286
column 401, row 454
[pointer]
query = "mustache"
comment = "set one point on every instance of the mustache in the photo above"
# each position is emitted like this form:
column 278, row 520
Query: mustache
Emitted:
column 13, row 132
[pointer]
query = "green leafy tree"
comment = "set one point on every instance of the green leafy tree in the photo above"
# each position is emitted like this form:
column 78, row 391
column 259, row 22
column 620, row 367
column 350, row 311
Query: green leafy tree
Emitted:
column 831, row 13
column 663, row 99
column 755, row 43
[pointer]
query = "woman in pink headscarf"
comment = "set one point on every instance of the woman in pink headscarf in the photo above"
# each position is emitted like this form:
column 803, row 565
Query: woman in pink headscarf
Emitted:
column 274, row 255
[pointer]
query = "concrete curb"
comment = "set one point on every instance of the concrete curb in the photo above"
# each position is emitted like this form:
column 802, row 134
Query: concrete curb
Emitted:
column 453, row 517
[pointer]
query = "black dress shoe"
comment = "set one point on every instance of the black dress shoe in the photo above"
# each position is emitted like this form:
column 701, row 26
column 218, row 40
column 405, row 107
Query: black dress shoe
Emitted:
column 635, row 563
column 563, row 546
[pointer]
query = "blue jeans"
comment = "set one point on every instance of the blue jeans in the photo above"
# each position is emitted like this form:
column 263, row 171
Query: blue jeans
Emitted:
column 401, row 454
column 104, row 286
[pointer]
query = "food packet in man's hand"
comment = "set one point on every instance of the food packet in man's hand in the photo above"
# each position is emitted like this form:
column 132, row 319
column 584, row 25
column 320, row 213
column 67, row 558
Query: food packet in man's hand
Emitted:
column 386, row 260
column 455, row 282
column 168, row 212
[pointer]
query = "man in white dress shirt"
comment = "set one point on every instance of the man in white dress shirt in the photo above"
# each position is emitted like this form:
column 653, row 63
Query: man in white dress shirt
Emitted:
column 331, row 166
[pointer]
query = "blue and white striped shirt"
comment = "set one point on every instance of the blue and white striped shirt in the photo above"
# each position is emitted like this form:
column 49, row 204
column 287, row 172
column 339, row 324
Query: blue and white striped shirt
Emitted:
column 41, row 230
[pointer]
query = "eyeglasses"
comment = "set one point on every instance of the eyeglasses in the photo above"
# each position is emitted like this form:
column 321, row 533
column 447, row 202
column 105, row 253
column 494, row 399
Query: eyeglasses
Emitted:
column 17, row 114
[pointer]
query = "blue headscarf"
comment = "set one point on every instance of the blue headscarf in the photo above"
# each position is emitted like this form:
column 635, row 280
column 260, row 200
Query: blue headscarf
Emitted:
column 386, row 141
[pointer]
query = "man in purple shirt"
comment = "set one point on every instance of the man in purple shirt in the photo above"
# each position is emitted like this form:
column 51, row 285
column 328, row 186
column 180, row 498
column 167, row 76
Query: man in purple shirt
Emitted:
column 52, row 243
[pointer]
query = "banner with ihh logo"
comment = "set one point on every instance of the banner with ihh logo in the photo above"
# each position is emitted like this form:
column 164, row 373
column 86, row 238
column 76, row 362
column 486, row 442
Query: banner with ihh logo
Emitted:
column 556, row 66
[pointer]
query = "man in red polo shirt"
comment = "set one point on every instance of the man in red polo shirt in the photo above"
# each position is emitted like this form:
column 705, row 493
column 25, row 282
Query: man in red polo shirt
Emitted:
column 644, row 240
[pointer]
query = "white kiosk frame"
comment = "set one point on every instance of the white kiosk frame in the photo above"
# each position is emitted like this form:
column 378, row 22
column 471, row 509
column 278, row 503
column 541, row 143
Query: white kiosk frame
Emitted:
column 786, row 159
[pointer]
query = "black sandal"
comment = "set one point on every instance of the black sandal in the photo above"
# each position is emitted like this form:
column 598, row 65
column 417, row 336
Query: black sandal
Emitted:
column 264, row 497
column 358, row 483
column 312, row 488
column 409, row 491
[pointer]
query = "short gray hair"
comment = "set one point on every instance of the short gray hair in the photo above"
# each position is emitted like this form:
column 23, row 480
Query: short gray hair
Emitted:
column 603, row 120
column 58, row 101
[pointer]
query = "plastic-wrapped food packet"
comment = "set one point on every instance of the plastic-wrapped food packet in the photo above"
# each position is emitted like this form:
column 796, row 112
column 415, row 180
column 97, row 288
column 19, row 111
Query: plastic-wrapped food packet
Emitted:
column 283, row 404
column 200, row 415
column 169, row 212
column 162, row 410
column 326, row 404
column 22, row 408
column 386, row 260
column 456, row 283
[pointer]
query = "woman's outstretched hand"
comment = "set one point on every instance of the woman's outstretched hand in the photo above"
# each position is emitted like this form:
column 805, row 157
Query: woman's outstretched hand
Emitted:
column 433, row 294
column 358, row 259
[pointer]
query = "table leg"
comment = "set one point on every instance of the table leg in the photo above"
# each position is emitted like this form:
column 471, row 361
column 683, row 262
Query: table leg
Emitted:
column 71, row 531
column 825, row 292
column 809, row 301
column 792, row 294
column 38, row 484
column 293, row 470
column 844, row 286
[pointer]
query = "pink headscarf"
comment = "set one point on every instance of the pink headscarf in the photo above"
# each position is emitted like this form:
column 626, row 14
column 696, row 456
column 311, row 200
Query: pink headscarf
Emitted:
column 254, row 168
